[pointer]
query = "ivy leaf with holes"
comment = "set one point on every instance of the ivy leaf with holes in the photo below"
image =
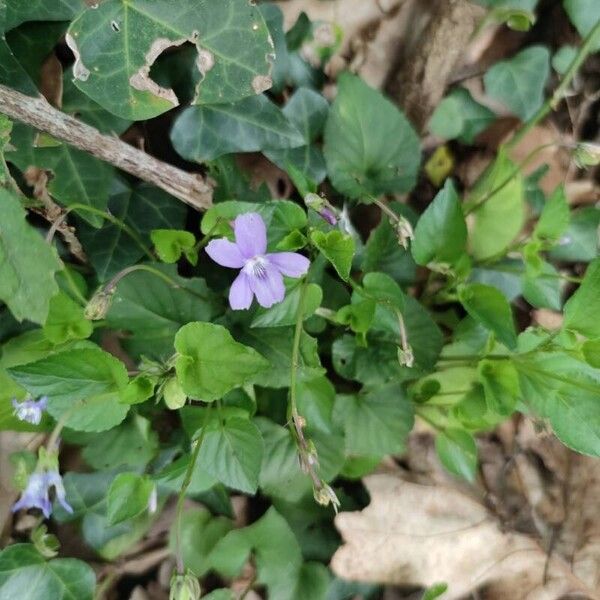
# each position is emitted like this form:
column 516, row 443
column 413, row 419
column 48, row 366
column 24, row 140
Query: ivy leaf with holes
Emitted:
column 116, row 43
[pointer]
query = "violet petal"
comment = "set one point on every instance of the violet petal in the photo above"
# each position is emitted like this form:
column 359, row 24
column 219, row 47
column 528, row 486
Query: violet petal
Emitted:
column 250, row 234
column 290, row 264
column 225, row 253
column 240, row 294
column 268, row 289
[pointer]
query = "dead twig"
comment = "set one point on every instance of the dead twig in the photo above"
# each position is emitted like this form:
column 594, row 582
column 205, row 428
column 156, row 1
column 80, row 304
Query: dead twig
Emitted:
column 188, row 187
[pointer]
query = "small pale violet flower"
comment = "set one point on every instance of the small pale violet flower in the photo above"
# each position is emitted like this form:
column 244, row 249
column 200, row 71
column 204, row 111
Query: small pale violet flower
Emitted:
column 37, row 493
column 261, row 274
column 30, row 410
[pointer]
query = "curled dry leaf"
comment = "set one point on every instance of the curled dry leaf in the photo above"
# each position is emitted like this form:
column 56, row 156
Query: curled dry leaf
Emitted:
column 418, row 535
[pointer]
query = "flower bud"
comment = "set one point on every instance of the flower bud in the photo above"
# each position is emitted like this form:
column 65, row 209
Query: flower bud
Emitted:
column 405, row 233
column 587, row 154
column 185, row 587
column 99, row 304
column 321, row 206
column 325, row 496
column 406, row 357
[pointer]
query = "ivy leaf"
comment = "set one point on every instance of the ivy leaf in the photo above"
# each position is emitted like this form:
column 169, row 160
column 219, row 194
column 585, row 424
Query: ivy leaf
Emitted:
column 127, row 497
column 375, row 422
column 491, row 308
column 78, row 177
column 18, row 12
column 584, row 14
column 370, row 147
column 307, row 110
column 581, row 310
column 85, row 382
column 232, row 452
column 26, row 574
column 457, row 451
column 211, row 362
column 499, row 210
column 204, row 133
column 338, row 248
column 27, row 264
column 520, row 81
column 117, row 42
column 441, row 233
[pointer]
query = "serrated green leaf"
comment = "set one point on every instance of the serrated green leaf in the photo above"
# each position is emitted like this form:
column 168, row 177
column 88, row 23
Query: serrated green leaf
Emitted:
column 581, row 310
column 370, row 147
column 27, row 264
column 338, row 248
column 170, row 244
column 519, row 82
column 276, row 346
column 457, row 451
column 66, row 320
column 491, row 308
column 204, row 133
column 555, row 216
column 500, row 212
column 153, row 310
column 85, row 382
column 117, row 42
column 285, row 313
column 565, row 391
column 200, row 532
column 26, row 574
column 232, row 452
column 211, row 362
column 376, row 422
column 127, row 497
column 441, row 233
column 500, row 382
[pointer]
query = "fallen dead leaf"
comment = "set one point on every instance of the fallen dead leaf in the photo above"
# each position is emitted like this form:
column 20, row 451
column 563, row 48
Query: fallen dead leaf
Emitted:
column 419, row 535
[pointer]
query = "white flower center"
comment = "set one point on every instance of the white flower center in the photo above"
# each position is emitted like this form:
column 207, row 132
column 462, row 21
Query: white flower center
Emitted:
column 256, row 267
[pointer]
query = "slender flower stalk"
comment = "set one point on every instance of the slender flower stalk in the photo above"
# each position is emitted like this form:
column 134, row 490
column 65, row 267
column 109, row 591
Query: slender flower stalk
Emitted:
column 261, row 274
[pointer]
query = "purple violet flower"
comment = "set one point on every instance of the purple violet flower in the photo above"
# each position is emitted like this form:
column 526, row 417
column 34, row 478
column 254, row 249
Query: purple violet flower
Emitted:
column 329, row 216
column 37, row 493
column 261, row 274
column 30, row 410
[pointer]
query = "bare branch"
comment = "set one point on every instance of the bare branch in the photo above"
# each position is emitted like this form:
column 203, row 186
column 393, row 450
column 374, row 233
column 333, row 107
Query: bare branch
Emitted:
column 189, row 187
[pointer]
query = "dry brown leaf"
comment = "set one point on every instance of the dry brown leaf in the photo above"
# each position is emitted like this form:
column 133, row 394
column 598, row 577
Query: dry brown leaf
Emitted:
column 418, row 535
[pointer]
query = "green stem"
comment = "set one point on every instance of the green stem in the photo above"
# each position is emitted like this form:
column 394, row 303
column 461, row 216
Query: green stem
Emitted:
column 112, row 284
column 552, row 102
column 388, row 211
column 181, row 499
column 60, row 424
column 73, row 286
column 296, row 357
